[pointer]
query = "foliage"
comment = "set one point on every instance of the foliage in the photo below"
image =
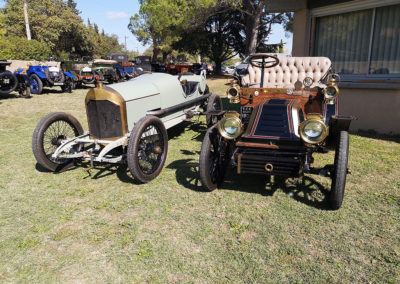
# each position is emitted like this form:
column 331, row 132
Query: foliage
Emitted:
column 19, row 48
column 213, row 40
column 57, row 24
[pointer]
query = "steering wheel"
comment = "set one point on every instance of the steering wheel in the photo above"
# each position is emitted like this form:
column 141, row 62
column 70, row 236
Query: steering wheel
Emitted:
column 263, row 60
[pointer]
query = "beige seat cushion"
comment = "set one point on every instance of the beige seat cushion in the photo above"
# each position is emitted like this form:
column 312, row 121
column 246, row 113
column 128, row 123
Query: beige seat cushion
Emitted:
column 288, row 71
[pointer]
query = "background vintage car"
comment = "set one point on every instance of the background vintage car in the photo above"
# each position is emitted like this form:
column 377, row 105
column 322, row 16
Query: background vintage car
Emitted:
column 127, row 124
column 12, row 82
column 288, row 111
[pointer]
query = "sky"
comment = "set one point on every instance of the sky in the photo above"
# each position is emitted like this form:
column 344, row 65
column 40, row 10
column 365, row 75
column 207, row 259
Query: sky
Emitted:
column 113, row 17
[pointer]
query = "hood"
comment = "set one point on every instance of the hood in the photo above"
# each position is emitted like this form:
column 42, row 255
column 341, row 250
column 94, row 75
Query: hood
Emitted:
column 275, row 119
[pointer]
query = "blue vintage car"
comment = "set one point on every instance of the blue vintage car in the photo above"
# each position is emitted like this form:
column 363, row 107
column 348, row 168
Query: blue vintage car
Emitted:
column 288, row 112
column 127, row 124
column 47, row 76
column 13, row 82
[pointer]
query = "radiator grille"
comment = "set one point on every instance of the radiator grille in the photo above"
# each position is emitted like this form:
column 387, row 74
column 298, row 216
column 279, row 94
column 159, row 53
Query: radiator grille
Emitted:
column 104, row 119
column 285, row 163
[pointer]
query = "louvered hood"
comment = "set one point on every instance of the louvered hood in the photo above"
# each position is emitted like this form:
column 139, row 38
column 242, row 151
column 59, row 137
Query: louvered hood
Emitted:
column 275, row 120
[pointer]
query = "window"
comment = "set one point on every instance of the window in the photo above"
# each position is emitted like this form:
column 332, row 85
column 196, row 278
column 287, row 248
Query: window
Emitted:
column 363, row 43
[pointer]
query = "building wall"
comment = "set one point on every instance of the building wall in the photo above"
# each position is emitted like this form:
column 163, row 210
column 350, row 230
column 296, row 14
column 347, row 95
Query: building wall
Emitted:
column 375, row 108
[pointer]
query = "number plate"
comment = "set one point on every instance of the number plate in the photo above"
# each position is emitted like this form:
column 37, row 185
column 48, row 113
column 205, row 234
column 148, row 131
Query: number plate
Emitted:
column 6, row 81
column 58, row 84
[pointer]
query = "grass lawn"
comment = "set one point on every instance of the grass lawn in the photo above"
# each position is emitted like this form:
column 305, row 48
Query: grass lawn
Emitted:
column 104, row 227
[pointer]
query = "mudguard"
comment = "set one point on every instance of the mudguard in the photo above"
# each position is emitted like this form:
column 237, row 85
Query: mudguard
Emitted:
column 38, row 70
column 70, row 75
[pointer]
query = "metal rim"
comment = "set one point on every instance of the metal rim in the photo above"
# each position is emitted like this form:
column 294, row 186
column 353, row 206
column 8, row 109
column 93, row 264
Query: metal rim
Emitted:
column 54, row 134
column 305, row 137
column 34, row 85
column 151, row 149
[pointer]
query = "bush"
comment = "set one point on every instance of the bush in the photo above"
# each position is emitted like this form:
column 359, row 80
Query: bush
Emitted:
column 18, row 48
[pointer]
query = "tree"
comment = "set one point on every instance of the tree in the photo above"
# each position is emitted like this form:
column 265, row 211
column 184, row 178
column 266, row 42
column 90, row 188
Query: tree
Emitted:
column 252, row 25
column 72, row 5
column 26, row 17
column 214, row 40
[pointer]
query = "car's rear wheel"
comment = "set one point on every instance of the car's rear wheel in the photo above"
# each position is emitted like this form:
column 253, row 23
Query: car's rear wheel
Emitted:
column 214, row 104
column 8, row 83
column 340, row 171
column 147, row 149
column 213, row 159
column 36, row 84
column 48, row 136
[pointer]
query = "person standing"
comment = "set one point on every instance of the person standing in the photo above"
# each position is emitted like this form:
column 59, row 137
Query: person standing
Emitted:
column 203, row 69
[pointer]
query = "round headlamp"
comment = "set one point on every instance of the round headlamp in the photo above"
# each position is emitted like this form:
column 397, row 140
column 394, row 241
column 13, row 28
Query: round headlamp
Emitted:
column 313, row 130
column 230, row 127
column 331, row 92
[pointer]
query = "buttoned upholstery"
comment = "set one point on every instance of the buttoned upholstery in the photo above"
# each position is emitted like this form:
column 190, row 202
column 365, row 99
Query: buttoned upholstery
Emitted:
column 288, row 72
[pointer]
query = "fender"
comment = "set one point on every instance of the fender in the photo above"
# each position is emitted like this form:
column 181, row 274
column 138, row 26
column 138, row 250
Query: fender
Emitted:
column 69, row 75
column 38, row 70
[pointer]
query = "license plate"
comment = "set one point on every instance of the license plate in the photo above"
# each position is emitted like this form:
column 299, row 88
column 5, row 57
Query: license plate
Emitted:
column 58, row 84
column 6, row 81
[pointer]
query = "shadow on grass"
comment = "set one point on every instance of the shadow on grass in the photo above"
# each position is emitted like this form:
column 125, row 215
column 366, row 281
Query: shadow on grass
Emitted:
column 306, row 190
column 375, row 135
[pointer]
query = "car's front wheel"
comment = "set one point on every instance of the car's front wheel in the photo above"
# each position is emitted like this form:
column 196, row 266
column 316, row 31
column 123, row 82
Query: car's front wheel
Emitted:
column 36, row 84
column 213, row 159
column 48, row 136
column 147, row 148
column 340, row 170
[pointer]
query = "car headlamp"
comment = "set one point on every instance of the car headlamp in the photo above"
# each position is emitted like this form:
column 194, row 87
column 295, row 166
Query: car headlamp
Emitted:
column 230, row 126
column 233, row 93
column 331, row 92
column 313, row 130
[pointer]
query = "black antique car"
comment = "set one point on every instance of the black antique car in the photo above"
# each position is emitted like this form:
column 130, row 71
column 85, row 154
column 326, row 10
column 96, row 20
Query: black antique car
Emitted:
column 288, row 111
column 10, row 82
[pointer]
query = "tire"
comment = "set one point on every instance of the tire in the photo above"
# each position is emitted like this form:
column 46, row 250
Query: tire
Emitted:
column 340, row 171
column 212, row 163
column 146, row 158
column 6, row 88
column 214, row 103
column 51, row 80
column 88, row 81
column 47, row 135
column 68, row 86
column 36, row 84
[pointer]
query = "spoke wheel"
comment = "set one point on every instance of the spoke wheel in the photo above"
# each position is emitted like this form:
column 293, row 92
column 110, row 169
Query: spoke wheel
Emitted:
column 48, row 136
column 8, row 83
column 213, row 159
column 147, row 148
column 214, row 104
column 340, row 171
column 36, row 84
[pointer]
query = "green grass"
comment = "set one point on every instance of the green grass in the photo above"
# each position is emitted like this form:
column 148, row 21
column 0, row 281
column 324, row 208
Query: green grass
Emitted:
column 76, row 227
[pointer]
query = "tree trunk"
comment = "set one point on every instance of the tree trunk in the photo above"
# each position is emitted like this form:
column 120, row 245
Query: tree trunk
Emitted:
column 156, row 51
column 28, row 30
column 253, row 24
column 218, row 65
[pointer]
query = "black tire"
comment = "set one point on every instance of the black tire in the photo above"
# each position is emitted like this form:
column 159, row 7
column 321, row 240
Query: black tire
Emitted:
column 88, row 81
column 47, row 135
column 340, row 171
column 61, row 78
column 68, row 85
column 36, row 84
column 213, row 163
column 6, row 88
column 147, row 154
column 214, row 103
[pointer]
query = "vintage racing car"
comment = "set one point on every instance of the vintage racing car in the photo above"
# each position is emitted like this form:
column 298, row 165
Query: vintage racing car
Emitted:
column 127, row 124
column 288, row 111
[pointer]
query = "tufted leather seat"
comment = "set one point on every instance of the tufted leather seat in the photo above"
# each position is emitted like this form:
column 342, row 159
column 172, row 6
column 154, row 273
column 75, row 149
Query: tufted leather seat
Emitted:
column 288, row 71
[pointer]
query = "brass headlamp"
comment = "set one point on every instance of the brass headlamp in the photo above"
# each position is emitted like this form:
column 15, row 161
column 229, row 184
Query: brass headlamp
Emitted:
column 332, row 90
column 230, row 126
column 313, row 130
column 233, row 92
